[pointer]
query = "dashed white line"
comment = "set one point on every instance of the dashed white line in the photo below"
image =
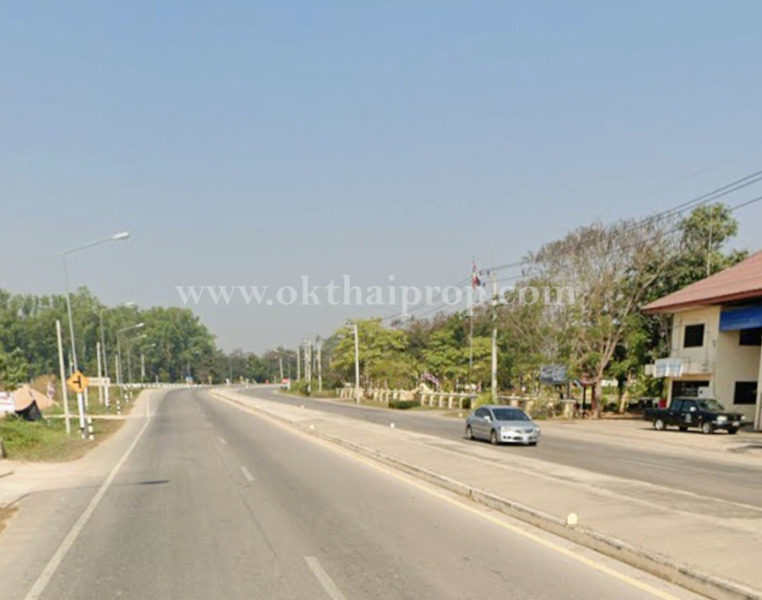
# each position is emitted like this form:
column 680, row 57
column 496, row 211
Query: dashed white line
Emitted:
column 324, row 578
column 246, row 474
column 47, row 573
column 223, row 442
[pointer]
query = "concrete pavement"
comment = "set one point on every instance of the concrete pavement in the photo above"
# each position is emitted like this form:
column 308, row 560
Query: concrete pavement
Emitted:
column 690, row 463
column 698, row 540
column 216, row 502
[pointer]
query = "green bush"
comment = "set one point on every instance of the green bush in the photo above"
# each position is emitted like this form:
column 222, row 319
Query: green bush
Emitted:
column 299, row 388
column 483, row 398
column 404, row 404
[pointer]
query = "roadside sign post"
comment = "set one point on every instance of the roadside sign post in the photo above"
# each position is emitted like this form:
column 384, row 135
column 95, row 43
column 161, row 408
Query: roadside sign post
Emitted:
column 81, row 408
column 78, row 383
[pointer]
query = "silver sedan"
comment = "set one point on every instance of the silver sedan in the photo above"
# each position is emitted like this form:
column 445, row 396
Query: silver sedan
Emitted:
column 502, row 424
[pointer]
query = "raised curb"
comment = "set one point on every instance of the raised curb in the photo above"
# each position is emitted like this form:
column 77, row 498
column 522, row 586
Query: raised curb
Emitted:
column 665, row 568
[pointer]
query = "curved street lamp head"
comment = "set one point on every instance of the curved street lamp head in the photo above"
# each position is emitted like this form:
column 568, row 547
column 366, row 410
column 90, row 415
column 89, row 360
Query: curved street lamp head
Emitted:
column 123, row 235
column 139, row 326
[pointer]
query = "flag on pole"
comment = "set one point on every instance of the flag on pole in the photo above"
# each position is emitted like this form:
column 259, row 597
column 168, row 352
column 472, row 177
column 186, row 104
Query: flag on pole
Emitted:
column 475, row 280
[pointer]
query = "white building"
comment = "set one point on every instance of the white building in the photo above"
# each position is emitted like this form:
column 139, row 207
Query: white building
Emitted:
column 716, row 348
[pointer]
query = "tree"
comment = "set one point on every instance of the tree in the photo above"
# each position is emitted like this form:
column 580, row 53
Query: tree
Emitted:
column 610, row 268
column 702, row 238
column 384, row 357
column 14, row 369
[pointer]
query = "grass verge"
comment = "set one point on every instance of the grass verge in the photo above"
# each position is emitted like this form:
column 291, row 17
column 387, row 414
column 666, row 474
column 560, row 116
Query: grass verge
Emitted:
column 46, row 440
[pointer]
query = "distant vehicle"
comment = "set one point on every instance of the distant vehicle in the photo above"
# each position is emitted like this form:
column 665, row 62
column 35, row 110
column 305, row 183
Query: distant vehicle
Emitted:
column 500, row 424
column 640, row 405
column 702, row 413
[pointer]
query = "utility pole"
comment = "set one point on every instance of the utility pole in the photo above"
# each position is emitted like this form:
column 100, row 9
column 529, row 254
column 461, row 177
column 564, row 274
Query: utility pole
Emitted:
column 494, row 336
column 100, row 374
column 320, row 364
column 308, row 365
column 357, row 363
column 62, row 370
column 103, row 344
column 298, row 363
column 709, row 249
column 280, row 362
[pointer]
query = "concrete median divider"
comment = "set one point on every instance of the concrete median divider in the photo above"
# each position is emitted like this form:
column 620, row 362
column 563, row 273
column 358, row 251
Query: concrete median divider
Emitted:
column 686, row 576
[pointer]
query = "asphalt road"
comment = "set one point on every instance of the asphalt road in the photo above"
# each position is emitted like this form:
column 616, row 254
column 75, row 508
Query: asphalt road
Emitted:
column 215, row 502
column 715, row 479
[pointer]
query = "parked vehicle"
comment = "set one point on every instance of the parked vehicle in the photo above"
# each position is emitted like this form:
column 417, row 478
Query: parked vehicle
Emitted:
column 500, row 424
column 703, row 413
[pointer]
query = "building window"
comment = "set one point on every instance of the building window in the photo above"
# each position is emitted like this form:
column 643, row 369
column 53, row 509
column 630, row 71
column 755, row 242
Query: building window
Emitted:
column 751, row 337
column 694, row 336
column 746, row 392
column 687, row 389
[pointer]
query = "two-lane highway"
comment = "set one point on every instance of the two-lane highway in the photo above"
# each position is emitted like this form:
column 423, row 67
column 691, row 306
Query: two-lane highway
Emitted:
column 722, row 480
column 215, row 502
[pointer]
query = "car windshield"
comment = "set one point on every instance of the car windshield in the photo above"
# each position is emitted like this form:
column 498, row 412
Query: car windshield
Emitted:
column 710, row 405
column 510, row 414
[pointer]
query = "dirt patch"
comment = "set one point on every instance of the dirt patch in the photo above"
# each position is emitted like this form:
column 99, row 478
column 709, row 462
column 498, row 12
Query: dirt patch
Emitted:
column 5, row 515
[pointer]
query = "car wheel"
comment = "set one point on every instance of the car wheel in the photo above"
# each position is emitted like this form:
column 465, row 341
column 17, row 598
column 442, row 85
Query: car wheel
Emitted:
column 683, row 428
column 659, row 425
column 469, row 433
column 493, row 438
column 732, row 430
column 707, row 427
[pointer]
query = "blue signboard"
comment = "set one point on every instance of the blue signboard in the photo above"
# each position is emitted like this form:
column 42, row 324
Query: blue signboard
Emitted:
column 749, row 317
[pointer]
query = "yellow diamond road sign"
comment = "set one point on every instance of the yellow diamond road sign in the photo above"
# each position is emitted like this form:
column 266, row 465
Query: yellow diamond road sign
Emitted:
column 77, row 382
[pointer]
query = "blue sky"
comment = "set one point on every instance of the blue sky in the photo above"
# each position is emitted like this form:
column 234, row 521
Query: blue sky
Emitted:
column 253, row 142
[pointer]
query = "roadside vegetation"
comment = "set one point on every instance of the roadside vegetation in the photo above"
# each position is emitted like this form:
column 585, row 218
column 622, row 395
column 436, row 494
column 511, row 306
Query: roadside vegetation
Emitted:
column 46, row 440
column 602, row 337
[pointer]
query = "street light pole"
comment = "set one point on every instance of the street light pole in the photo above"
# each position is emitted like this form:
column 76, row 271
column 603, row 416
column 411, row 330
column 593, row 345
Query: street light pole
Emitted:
column 116, row 237
column 129, row 355
column 143, row 361
column 103, row 336
column 119, row 349
column 357, row 363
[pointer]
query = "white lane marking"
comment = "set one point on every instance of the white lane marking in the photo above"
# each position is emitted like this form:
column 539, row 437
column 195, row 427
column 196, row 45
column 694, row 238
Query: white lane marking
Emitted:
column 222, row 441
column 476, row 510
column 246, row 474
column 324, row 578
column 50, row 569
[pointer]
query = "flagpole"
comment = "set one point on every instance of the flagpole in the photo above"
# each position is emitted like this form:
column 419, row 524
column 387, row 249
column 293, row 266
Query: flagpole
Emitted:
column 471, row 325
column 471, row 344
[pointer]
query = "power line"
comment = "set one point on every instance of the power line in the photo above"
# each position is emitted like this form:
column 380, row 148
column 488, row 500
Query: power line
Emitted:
column 442, row 304
column 715, row 194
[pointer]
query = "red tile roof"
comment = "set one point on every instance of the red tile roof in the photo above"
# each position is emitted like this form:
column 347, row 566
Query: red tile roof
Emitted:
column 739, row 282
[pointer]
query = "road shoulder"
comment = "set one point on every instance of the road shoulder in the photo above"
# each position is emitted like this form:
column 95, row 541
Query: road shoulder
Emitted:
column 623, row 519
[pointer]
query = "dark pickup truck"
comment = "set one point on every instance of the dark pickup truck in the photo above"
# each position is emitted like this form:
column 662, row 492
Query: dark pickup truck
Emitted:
column 703, row 413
